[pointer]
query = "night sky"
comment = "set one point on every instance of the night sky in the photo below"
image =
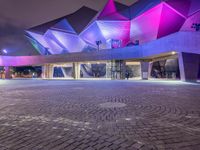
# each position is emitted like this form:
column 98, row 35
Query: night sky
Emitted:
column 17, row 15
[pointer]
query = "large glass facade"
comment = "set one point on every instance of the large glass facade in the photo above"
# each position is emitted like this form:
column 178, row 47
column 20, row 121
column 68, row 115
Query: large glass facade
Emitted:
column 165, row 69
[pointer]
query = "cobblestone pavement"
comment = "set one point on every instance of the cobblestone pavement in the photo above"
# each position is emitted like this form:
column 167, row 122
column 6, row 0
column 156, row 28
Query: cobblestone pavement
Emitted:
column 99, row 115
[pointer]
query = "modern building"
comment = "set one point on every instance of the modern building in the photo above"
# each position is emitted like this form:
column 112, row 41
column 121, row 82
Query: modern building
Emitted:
column 149, row 39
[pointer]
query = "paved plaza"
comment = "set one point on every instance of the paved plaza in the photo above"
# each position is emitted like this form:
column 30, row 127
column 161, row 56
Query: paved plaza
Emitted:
column 99, row 115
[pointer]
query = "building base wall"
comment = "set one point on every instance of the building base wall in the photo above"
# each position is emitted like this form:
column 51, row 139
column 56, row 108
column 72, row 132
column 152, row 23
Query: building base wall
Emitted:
column 189, row 65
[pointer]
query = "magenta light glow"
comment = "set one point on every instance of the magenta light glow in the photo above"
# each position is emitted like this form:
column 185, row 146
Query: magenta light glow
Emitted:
column 170, row 21
column 108, row 9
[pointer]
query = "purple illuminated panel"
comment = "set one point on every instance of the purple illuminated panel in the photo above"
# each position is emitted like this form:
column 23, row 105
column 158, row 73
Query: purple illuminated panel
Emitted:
column 116, row 30
column 189, row 22
column 181, row 6
column 39, row 38
column 110, row 12
column 145, row 27
column 195, row 7
column 92, row 34
column 72, row 43
column 170, row 21
column 64, row 26
column 47, row 42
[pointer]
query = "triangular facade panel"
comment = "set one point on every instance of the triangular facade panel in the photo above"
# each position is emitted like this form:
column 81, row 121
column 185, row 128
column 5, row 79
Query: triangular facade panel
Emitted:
column 92, row 34
column 194, row 7
column 181, row 6
column 188, row 25
column 81, row 18
column 145, row 27
column 71, row 42
column 170, row 21
column 64, row 25
column 108, row 9
column 115, row 30
column 42, row 29
column 142, row 6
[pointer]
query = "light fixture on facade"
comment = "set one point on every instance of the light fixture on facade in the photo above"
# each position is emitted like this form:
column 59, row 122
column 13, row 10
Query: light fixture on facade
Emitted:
column 173, row 53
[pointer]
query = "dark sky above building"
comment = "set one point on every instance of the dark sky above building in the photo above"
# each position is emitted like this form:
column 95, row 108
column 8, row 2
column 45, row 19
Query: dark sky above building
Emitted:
column 17, row 15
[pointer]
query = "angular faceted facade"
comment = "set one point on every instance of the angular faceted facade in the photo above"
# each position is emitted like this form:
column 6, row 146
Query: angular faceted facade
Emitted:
column 116, row 25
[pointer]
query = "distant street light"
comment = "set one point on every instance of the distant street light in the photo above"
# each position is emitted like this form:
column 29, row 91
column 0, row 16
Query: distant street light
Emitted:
column 4, row 51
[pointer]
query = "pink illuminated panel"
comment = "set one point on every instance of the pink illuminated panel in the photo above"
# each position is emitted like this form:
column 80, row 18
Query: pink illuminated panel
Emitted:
column 170, row 21
column 145, row 27
column 108, row 9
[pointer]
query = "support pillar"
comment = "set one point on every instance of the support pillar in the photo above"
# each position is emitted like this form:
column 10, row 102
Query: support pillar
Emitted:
column 108, row 69
column 150, row 68
column 123, row 69
column 7, row 72
column 145, row 69
column 76, row 70
column 47, row 71
column 189, row 65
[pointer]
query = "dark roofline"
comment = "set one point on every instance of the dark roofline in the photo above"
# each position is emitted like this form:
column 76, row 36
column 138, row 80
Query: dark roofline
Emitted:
column 52, row 22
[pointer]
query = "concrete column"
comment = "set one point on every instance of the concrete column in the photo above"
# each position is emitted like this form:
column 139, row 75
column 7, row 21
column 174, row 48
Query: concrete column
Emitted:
column 145, row 69
column 189, row 65
column 47, row 71
column 123, row 69
column 7, row 72
column 76, row 70
column 150, row 68
column 108, row 69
